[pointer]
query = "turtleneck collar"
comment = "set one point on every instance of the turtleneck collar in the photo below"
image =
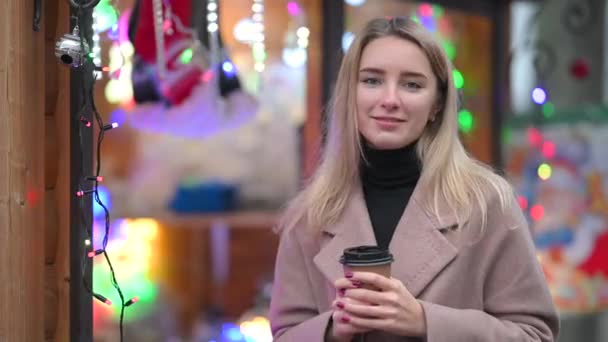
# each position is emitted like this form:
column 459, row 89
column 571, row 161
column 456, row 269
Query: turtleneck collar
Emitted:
column 390, row 168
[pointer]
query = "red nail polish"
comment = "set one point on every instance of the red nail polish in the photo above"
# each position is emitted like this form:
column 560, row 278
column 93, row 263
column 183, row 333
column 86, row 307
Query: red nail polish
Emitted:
column 348, row 274
column 357, row 283
column 340, row 305
column 342, row 292
column 345, row 319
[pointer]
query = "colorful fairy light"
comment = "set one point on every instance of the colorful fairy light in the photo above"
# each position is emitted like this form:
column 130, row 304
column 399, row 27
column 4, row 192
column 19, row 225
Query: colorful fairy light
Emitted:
column 539, row 95
column 544, row 171
column 458, row 79
column 465, row 121
column 537, row 212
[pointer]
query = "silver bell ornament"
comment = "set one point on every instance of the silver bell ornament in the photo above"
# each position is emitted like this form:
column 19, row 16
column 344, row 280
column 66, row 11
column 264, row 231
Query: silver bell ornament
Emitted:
column 70, row 50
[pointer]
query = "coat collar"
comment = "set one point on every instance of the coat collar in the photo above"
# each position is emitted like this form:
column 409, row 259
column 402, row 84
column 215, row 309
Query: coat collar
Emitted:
column 419, row 248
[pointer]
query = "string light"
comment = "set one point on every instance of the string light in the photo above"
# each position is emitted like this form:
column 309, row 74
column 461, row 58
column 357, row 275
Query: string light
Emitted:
column 539, row 95
column 258, row 48
column 465, row 121
column 458, row 79
column 91, row 70
column 110, row 126
column 212, row 17
column 102, row 299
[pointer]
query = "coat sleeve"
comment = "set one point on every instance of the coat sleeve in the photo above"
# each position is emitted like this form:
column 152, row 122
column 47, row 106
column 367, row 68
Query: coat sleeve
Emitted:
column 293, row 313
column 517, row 304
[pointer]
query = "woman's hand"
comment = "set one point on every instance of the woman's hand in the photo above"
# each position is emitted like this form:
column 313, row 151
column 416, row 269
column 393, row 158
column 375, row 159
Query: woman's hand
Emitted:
column 341, row 329
column 391, row 308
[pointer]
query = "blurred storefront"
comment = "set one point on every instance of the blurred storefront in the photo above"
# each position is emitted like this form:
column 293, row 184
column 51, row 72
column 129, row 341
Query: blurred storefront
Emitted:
column 532, row 82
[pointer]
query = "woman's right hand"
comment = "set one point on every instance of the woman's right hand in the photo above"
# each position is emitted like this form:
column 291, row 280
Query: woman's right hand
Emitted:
column 341, row 330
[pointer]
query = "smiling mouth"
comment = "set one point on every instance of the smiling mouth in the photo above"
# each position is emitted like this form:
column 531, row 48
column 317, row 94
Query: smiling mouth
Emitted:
column 387, row 119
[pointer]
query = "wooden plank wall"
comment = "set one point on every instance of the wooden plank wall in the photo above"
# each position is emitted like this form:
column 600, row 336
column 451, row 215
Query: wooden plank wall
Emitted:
column 56, row 177
column 21, row 174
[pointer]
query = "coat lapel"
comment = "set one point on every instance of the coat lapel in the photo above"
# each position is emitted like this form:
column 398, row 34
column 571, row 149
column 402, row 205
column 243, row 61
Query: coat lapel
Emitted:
column 419, row 248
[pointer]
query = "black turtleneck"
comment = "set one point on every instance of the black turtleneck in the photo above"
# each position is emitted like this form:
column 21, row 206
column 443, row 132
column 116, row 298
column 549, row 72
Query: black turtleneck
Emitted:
column 388, row 178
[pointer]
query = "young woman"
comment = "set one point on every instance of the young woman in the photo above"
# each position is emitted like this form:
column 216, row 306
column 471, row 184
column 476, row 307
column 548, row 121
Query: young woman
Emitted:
column 394, row 174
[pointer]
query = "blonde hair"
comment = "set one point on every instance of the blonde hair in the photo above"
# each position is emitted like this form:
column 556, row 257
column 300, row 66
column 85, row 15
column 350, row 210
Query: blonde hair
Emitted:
column 447, row 170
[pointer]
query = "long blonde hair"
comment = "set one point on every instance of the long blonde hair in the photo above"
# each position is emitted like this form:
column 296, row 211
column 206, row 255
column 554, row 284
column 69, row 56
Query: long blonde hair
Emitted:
column 447, row 170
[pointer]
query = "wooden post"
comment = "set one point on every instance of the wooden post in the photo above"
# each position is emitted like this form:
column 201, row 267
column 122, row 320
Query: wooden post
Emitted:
column 57, row 177
column 21, row 174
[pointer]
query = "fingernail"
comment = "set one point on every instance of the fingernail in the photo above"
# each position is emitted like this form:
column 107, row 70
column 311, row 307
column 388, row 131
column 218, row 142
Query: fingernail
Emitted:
column 348, row 274
column 340, row 305
column 357, row 283
column 345, row 319
column 342, row 292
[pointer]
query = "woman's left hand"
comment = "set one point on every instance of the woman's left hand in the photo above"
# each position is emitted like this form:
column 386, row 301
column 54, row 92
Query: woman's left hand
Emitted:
column 392, row 308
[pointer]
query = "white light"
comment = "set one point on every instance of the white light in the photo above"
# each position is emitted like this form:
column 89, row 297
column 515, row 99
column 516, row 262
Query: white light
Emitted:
column 347, row 39
column 259, row 67
column 257, row 17
column 212, row 27
column 303, row 32
column 212, row 7
column 294, row 58
column 354, row 3
column 212, row 16
column 303, row 42
column 257, row 8
column 244, row 30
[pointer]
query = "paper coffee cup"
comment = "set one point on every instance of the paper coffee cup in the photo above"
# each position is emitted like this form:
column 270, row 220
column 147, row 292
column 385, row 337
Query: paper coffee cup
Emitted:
column 367, row 259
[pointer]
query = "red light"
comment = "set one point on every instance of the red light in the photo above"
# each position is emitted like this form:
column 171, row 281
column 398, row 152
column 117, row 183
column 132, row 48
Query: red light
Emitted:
column 523, row 202
column 91, row 254
column 534, row 136
column 79, row 193
column 33, row 197
column 548, row 149
column 100, row 179
column 537, row 212
column 105, row 69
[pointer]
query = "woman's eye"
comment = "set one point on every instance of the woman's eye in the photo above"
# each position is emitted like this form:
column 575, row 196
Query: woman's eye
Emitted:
column 412, row 85
column 370, row 81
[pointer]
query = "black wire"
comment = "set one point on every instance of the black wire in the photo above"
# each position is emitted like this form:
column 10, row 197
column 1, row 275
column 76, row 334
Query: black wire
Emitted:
column 87, row 93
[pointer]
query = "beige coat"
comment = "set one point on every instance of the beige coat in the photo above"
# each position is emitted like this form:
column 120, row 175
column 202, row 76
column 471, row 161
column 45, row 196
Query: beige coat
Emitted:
column 472, row 287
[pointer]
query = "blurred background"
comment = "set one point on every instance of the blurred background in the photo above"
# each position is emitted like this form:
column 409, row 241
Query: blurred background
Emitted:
column 197, row 173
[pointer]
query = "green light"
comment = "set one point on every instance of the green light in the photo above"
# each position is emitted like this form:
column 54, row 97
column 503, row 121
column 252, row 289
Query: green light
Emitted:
column 544, row 171
column 465, row 121
column 458, row 79
column 548, row 109
column 415, row 19
column 507, row 136
column 450, row 49
column 186, row 56
column 437, row 11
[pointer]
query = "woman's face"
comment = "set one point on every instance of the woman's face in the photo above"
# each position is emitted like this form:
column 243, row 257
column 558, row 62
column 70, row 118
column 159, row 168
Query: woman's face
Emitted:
column 396, row 93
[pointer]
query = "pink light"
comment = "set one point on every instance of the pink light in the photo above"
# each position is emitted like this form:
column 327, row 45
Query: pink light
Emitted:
column 108, row 302
column 207, row 76
column 523, row 202
column 166, row 25
column 293, row 8
column 425, row 10
column 91, row 254
column 548, row 149
column 537, row 212
column 79, row 193
column 535, row 138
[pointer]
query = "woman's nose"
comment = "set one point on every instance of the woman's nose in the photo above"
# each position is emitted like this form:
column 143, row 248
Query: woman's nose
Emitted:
column 390, row 102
